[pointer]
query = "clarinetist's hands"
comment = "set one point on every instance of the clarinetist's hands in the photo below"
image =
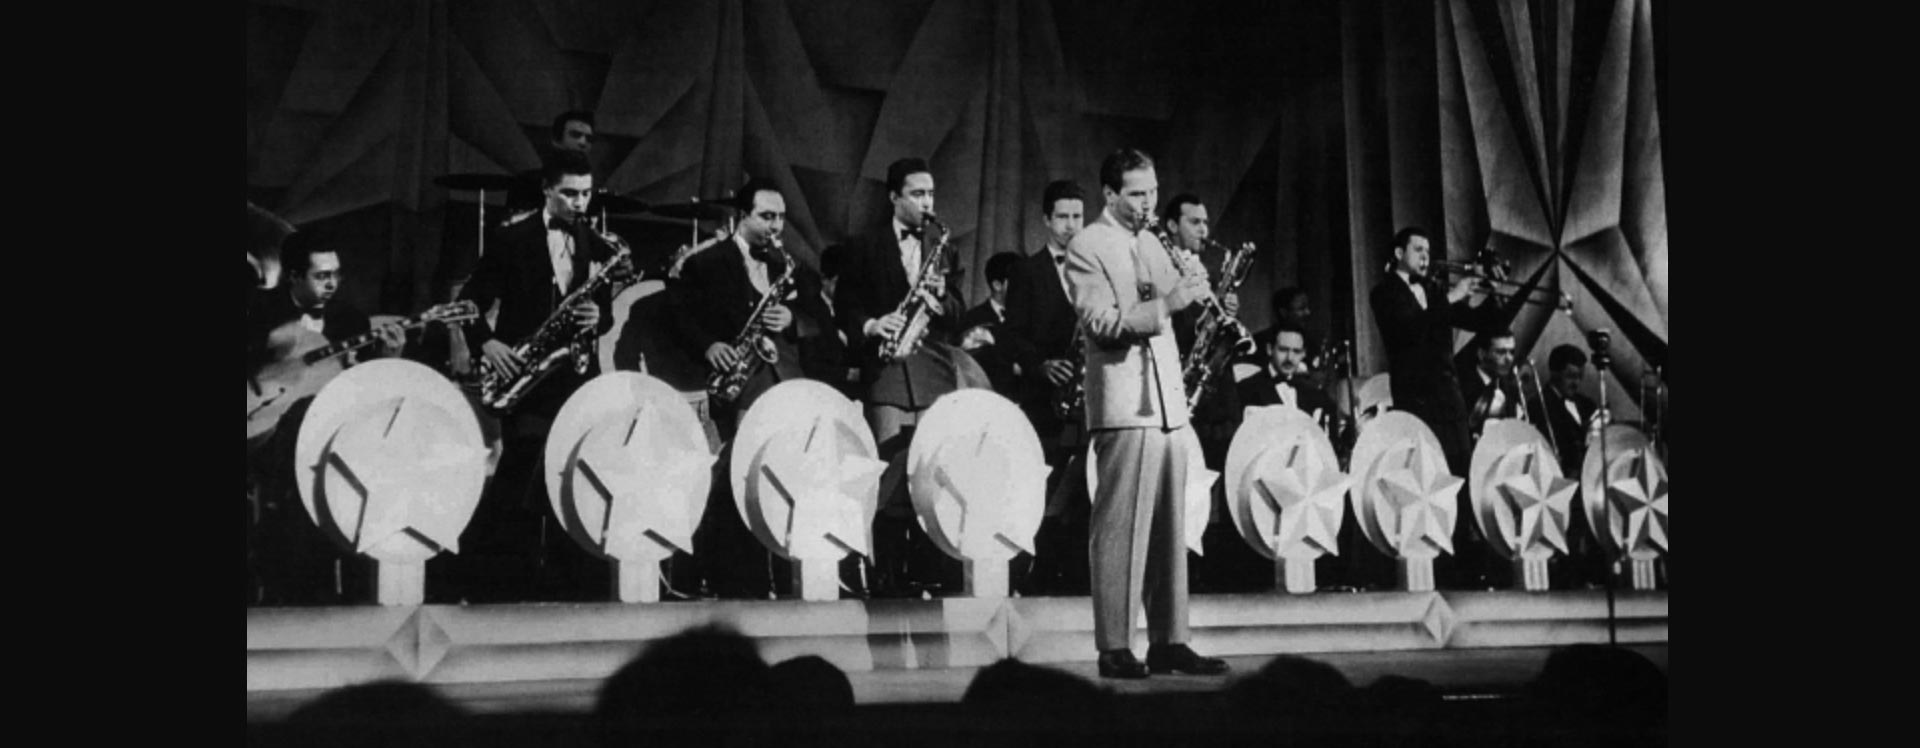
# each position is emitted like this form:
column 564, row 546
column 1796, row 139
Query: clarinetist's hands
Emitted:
column 886, row 327
column 1231, row 303
column 1059, row 371
column 1191, row 290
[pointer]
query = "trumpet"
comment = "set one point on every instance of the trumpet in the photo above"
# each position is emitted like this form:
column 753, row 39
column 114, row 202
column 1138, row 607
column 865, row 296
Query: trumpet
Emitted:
column 1493, row 272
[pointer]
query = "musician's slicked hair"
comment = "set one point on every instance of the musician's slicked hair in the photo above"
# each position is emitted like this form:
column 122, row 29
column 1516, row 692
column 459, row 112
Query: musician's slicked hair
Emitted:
column 1564, row 355
column 559, row 127
column 297, row 251
column 562, row 164
column 898, row 171
column 1285, row 326
column 1172, row 214
column 1485, row 342
column 1057, row 190
column 833, row 261
column 1000, row 266
column 1401, row 237
column 744, row 198
column 1113, row 170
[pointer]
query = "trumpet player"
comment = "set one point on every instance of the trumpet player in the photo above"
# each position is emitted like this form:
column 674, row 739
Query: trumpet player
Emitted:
column 893, row 268
column 529, row 267
column 1125, row 288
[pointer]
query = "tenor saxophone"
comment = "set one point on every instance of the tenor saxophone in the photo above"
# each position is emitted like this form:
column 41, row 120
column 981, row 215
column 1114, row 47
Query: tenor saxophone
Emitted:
column 1070, row 400
column 558, row 340
column 751, row 347
column 914, row 307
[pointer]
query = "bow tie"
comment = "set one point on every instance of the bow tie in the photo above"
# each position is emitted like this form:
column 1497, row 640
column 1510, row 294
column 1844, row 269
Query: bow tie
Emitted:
column 759, row 253
column 1059, row 260
column 917, row 233
column 559, row 225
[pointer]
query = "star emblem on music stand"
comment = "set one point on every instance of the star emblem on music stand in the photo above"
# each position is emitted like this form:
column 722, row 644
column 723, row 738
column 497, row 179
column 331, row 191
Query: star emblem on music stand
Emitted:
column 982, row 478
column 1307, row 497
column 637, row 468
column 1540, row 498
column 823, row 491
column 1422, row 495
column 404, row 468
column 1640, row 496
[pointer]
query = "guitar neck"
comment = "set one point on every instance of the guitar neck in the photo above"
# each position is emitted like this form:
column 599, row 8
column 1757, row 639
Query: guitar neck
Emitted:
column 354, row 343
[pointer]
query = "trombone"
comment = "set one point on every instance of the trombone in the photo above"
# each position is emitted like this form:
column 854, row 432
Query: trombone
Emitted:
column 1493, row 271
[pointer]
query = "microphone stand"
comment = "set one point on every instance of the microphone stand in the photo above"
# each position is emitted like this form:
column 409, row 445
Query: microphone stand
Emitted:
column 1597, row 342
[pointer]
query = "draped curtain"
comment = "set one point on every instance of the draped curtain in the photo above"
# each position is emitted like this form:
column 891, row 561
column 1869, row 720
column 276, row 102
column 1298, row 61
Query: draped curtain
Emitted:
column 1312, row 128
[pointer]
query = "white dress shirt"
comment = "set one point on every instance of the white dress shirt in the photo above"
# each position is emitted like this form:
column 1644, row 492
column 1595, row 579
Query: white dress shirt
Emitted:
column 560, row 252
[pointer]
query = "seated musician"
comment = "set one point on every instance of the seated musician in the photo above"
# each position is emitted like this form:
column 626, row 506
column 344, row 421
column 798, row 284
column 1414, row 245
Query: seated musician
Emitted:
column 889, row 265
column 294, row 561
column 825, row 356
column 982, row 327
column 1487, row 384
column 714, row 305
column 1283, row 380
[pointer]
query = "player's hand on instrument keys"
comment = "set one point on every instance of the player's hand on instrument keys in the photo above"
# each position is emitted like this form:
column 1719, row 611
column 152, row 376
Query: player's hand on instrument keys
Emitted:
column 501, row 357
column 890, row 325
column 776, row 318
column 1190, row 290
column 721, row 356
column 933, row 302
column 1059, row 371
column 976, row 337
column 1231, row 303
column 587, row 314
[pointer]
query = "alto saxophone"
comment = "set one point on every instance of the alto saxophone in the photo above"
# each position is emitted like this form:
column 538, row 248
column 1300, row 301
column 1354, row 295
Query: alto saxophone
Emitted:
column 914, row 307
column 752, row 348
column 1211, row 351
column 557, row 340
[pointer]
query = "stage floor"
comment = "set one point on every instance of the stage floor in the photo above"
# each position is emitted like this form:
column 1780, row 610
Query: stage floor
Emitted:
column 552, row 657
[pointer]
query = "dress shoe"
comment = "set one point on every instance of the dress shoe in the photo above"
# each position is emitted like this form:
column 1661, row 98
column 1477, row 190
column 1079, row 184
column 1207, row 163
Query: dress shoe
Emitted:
column 1179, row 658
column 1120, row 663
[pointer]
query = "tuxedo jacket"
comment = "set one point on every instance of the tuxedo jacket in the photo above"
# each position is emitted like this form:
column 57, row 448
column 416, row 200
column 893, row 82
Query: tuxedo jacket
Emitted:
column 714, row 299
column 1419, row 346
column 872, row 286
column 996, row 358
column 1569, row 435
column 1133, row 366
column 517, row 272
column 1259, row 390
column 1039, row 327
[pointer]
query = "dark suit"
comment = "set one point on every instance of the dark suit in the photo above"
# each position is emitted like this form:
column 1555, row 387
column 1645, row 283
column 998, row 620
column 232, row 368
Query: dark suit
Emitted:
column 1419, row 346
column 503, row 555
column 995, row 359
column 1259, row 390
column 1478, row 397
column 713, row 299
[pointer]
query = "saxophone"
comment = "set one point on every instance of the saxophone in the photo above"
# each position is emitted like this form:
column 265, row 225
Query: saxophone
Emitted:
column 1211, row 351
column 914, row 306
column 557, row 339
column 752, row 348
column 1070, row 400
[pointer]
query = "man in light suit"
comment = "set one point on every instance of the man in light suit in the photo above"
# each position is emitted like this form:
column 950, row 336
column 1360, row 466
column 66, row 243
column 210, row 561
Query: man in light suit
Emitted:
column 1124, row 288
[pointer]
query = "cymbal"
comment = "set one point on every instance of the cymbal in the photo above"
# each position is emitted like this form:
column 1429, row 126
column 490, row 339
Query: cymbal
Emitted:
column 612, row 203
column 701, row 211
column 478, row 181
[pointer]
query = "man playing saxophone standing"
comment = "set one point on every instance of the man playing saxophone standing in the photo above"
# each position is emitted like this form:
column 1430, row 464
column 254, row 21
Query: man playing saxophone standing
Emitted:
column 1125, row 287
column 889, row 266
column 530, row 267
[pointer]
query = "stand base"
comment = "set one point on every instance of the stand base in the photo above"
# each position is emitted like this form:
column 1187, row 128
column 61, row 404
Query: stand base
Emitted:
column 636, row 582
column 1530, row 574
column 816, row 578
column 1414, row 574
column 399, row 584
column 1294, row 575
column 985, row 578
column 1641, row 572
